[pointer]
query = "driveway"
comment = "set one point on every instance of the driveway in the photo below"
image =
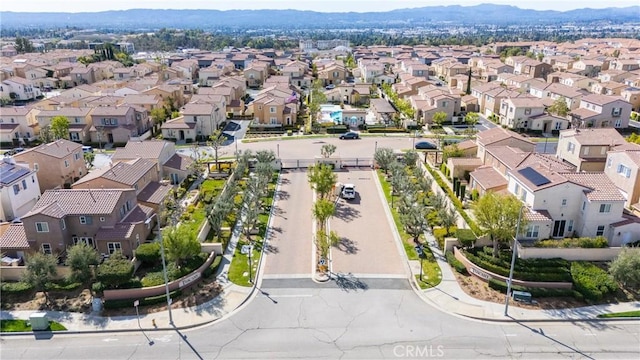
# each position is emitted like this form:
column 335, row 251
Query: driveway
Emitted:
column 289, row 251
column 367, row 244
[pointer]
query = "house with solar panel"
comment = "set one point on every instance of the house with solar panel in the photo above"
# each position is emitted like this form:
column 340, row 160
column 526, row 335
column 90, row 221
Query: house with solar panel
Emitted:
column 19, row 190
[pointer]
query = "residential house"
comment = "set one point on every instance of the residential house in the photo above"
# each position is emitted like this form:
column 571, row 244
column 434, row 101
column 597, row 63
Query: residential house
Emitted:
column 380, row 111
column 575, row 81
column 528, row 113
column 274, row 106
column 587, row 149
column 81, row 74
column 431, row 100
column 158, row 151
column 501, row 137
column 118, row 124
column 198, row 121
column 623, row 169
column 19, row 89
column 107, row 219
column 601, row 111
column 17, row 125
column 139, row 174
column 256, row 74
column 334, row 73
column 19, row 190
column 531, row 67
column 124, row 73
column 188, row 68
column 58, row 164
column 632, row 96
column 79, row 121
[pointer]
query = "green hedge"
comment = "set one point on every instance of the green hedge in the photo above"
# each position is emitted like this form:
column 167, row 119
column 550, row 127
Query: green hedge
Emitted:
column 528, row 265
column 16, row 288
column 152, row 300
column 466, row 237
column 520, row 275
column 598, row 242
column 455, row 263
column 591, row 281
column 148, row 253
column 456, row 202
column 535, row 292
column 386, row 130
column 153, row 279
column 63, row 285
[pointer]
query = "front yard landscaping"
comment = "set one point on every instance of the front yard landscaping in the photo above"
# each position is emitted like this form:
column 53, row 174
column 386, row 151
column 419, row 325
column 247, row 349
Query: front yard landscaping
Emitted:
column 14, row 325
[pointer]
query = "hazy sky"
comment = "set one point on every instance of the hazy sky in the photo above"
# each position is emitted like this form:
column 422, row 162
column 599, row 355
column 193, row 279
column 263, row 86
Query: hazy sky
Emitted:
column 315, row 5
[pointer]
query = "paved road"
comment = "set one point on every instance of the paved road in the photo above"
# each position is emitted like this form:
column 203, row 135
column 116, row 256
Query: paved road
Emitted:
column 290, row 246
column 367, row 245
column 364, row 318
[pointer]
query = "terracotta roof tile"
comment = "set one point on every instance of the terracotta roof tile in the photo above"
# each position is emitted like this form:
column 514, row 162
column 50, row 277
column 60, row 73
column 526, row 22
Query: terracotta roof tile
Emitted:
column 179, row 162
column 154, row 193
column 14, row 238
column 63, row 202
column 600, row 188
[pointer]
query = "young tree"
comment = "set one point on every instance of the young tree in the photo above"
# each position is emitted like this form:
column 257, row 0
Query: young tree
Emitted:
column 180, row 244
column 41, row 269
column 60, row 127
column 414, row 220
column 265, row 156
column 316, row 98
column 439, row 118
column 80, row 258
column 472, row 118
column 89, row 158
column 411, row 158
column 216, row 142
column 559, row 107
column 626, row 268
column 323, row 210
column 397, row 120
column 384, row 157
column 448, row 217
column 468, row 91
column 498, row 216
column 322, row 179
column 327, row 150
column 115, row 271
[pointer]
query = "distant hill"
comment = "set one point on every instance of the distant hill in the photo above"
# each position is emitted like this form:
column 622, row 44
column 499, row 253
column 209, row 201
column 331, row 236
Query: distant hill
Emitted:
column 243, row 19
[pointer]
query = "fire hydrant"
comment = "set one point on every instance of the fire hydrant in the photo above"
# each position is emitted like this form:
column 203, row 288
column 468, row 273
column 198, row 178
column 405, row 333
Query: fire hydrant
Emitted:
column 153, row 321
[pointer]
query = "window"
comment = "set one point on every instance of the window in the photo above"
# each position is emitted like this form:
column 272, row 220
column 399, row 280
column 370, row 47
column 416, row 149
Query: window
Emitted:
column 527, row 111
column 564, row 202
column 46, row 248
column 609, row 161
column 600, row 230
column 113, row 247
column 16, row 189
column 66, row 163
column 585, row 151
column 63, row 224
column 273, row 121
column 584, row 205
column 86, row 220
column 605, row 208
column 272, row 109
column 624, row 171
column 532, row 231
column 76, row 156
column 570, row 147
column 615, row 112
column 24, row 184
column 569, row 226
column 618, row 123
column 42, row 227
column 86, row 240
column 36, row 167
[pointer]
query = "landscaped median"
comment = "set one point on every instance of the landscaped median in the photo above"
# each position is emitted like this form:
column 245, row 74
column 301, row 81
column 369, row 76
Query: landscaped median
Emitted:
column 16, row 325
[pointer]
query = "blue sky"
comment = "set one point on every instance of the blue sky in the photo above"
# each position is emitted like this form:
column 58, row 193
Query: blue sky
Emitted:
column 315, row 5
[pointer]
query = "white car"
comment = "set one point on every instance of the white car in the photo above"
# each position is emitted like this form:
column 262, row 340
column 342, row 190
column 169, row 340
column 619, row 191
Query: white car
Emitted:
column 348, row 191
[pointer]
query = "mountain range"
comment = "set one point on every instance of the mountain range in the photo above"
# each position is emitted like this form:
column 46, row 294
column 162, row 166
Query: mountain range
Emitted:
column 243, row 19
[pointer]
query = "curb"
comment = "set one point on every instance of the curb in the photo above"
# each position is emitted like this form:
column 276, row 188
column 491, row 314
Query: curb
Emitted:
column 513, row 320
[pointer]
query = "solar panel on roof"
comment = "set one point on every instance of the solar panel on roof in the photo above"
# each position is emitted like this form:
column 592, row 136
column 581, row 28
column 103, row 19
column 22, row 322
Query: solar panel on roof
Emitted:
column 533, row 176
column 11, row 174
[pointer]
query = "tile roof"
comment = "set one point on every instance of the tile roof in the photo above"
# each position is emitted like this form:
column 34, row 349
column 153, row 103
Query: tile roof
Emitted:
column 488, row 178
column 154, row 193
column 150, row 149
column 179, row 162
column 462, row 161
column 599, row 186
column 59, row 203
column 537, row 215
column 14, row 238
column 120, row 231
column 598, row 136
column 496, row 134
column 511, row 157
column 58, row 149
column 138, row 214
column 178, row 123
column 124, row 172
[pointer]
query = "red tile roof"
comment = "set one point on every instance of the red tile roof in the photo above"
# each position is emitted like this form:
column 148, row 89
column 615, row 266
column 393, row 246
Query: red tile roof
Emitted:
column 14, row 238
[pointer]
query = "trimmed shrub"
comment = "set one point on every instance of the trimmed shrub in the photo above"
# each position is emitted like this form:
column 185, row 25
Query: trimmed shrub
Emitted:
column 535, row 292
column 153, row 279
column 63, row 285
column 591, row 281
column 148, row 253
column 16, row 288
column 531, row 275
column 386, row 130
column 466, row 237
column 115, row 271
column 439, row 234
column 598, row 242
column 97, row 287
column 455, row 263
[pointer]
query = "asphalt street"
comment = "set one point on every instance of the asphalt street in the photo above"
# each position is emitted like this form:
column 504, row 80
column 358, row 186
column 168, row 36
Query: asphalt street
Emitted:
column 355, row 319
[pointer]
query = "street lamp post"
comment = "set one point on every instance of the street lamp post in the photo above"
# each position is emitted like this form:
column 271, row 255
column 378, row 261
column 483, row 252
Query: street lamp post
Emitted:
column 278, row 150
column 513, row 261
column 164, row 264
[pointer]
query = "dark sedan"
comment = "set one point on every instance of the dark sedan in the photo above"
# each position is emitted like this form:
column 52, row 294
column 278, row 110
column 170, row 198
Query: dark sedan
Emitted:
column 349, row 136
column 425, row 145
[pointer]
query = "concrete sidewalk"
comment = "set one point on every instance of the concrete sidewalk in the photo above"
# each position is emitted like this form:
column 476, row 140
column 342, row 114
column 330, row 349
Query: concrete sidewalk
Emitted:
column 449, row 297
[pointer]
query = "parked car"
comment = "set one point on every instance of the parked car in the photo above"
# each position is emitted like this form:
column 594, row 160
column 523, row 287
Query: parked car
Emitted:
column 348, row 191
column 330, row 86
column 349, row 136
column 425, row 145
column 451, row 141
column 87, row 149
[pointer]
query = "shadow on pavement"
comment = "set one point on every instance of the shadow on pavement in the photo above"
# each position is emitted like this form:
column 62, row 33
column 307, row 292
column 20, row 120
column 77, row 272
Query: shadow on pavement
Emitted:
column 184, row 337
column 347, row 246
column 345, row 212
column 43, row 335
column 348, row 282
column 541, row 332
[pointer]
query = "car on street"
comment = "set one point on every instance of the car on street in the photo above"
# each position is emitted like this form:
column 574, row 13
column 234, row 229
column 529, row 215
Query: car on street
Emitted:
column 425, row 145
column 349, row 136
column 348, row 191
column 87, row 149
column 330, row 87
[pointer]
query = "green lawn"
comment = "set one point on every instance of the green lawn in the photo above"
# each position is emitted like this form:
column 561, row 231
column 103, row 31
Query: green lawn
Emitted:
column 634, row 313
column 24, row 325
column 430, row 266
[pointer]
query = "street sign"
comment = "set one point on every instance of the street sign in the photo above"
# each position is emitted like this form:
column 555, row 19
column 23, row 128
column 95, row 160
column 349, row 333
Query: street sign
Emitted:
column 245, row 249
column 418, row 250
column 136, row 303
column 322, row 262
